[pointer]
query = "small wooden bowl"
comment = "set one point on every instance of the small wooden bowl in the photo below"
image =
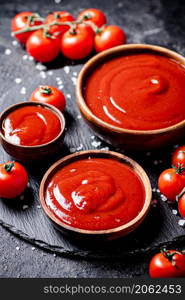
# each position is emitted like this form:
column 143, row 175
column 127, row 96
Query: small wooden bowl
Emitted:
column 32, row 153
column 116, row 136
column 108, row 234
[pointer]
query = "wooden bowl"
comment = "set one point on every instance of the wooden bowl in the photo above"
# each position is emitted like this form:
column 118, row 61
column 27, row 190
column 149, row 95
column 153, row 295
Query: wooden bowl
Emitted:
column 32, row 153
column 108, row 234
column 116, row 136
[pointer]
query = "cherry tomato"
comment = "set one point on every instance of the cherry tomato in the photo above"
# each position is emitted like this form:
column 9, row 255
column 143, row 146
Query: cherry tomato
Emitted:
column 42, row 47
column 20, row 21
column 50, row 95
column 178, row 157
column 13, row 179
column 168, row 263
column 59, row 16
column 171, row 183
column 109, row 37
column 93, row 15
column 78, row 44
column 181, row 204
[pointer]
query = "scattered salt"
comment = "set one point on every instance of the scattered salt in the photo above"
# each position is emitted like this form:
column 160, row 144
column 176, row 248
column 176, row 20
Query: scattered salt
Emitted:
column 33, row 248
column 40, row 67
column 95, row 144
column 155, row 162
column 57, row 1
column 163, row 198
column 38, row 206
column 30, row 58
column 181, row 222
column 17, row 248
column 14, row 43
column 68, row 96
column 66, row 69
column 25, row 57
column 92, row 137
column 23, row 90
column 174, row 212
column 79, row 117
column 21, row 197
column 60, row 87
column 105, row 148
column 18, row 80
column 43, row 74
column 74, row 80
column 50, row 73
column 79, row 147
column 72, row 149
column 25, row 207
column 75, row 73
column 8, row 52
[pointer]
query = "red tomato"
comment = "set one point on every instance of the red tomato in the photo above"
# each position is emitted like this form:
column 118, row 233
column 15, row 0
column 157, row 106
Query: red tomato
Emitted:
column 59, row 16
column 50, row 95
column 181, row 205
column 93, row 15
column 109, row 37
column 171, row 183
column 169, row 263
column 21, row 21
column 77, row 45
column 13, row 179
column 178, row 157
column 41, row 47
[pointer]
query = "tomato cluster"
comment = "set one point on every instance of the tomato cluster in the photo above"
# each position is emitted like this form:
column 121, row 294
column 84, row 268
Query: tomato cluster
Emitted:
column 59, row 32
column 171, row 182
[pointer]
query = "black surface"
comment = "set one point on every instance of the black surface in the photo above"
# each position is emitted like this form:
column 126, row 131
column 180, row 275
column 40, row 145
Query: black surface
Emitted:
column 155, row 22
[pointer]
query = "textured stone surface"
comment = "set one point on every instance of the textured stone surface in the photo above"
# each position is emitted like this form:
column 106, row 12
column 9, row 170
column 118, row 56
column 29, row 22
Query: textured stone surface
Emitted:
column 154, row 22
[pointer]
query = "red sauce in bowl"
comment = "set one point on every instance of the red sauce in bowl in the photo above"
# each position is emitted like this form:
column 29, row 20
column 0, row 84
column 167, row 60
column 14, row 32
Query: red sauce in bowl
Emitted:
column 95, row 194
column 31, row 126
column 138, row 92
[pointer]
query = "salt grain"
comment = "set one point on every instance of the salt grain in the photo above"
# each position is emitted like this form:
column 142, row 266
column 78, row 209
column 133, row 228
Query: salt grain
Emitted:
column 66, row 69
column 43, row 74
column 57, row 1
column 38, row 206
column 8, row 52
column 50, row 73
column 174, row 212
column 68, row 96
column 25, row 57
column 60, row 87
column 18, row 80
column 105, row 148
column 14, row 43
column 40, row 67
column 33, row 248
column 95, row 144
column 25, row 207
column 21, row 197
column 163, row 198
column 17, row 248
column 92, row 137
column 74, row 80
column 155, row 162
column 23, row 90
column 181, row 222
column 72, row 149
column 75, row 73
column 79, row 117
column 30, row 58
column 79, row 147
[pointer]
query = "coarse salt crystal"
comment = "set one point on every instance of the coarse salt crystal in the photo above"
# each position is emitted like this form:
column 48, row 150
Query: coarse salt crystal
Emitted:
column 43, row 74
column 40, row 67
column 66, row 69
column 95, row 144
column 79, row 117
column 57, row 1
column 75, row 73
column 8, row 52
column 25, row 57
column 68, row 96
column 155, row 162
column 79, row 147
column 38, row 206
column 14, row 43
column 92, row 137
column 33, row 248
column 17, row 248
column 23, row 90
column 30, row 58
column 74, row 80
column 72, row 149
column 60, row 87
column 25, row 207
column 105, row 148
column 174, row 212
column 181, row 222
column 50, row 73
column 18, row 80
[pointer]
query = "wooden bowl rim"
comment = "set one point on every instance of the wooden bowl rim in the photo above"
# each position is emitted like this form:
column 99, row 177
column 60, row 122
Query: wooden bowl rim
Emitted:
column 115, row 155
column 13, row 107
column 96, row 59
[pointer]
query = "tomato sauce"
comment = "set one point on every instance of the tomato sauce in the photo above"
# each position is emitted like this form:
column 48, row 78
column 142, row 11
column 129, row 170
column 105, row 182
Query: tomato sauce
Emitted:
column 139, row 91
column 31, row 126
column 95, row 194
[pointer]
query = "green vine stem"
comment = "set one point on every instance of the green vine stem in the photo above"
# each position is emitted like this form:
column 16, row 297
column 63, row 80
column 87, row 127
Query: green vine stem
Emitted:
column 8, row 166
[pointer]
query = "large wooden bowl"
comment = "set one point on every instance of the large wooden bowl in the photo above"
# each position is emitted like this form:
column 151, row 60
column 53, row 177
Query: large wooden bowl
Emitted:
column 97, row 234
column 119, row 137
column 32, row 153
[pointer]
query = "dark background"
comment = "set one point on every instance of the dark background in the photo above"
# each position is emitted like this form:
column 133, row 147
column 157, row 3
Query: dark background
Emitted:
column 149, row 21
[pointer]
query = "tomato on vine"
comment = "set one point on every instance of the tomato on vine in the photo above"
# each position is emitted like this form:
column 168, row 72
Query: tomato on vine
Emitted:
column 167, row 263
column 108, row 37
column 171, row 182
column 59, row 16
column 93, row 15
column 50, row 95
column 13, row 179
column 178, row 157
column 77, row 43
column 22, row 21
column 43, row 46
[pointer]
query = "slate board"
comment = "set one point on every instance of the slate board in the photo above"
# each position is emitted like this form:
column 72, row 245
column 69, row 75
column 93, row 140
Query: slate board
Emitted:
column 161, row 226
